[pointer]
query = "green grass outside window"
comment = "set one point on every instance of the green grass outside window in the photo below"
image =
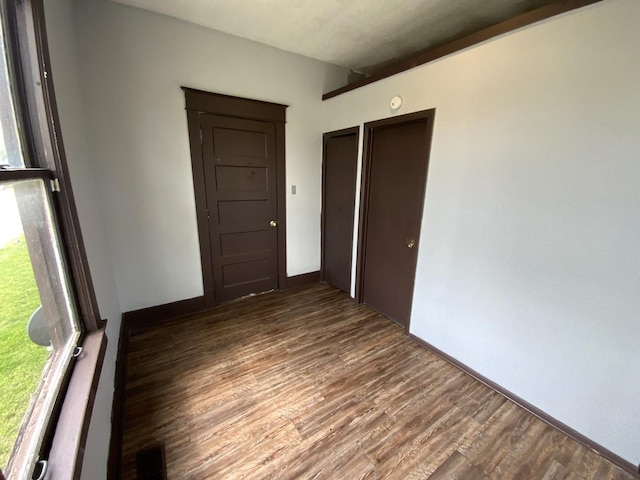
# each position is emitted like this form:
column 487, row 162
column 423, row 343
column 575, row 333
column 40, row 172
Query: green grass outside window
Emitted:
column 21, row 360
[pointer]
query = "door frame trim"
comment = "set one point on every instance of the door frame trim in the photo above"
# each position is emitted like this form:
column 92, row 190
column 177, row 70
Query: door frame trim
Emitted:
column 365, row 183
column 325, row 137
column 200, row 102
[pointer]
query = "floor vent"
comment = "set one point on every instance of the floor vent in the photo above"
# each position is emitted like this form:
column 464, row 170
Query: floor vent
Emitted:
column 151, row 463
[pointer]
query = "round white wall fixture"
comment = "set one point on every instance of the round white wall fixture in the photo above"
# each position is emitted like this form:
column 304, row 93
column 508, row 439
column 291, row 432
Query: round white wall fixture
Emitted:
column 396, row 102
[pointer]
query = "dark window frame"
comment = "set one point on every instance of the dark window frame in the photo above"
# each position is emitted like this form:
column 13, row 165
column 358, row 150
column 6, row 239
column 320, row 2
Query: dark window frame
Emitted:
column 29, row 69
column 29, row 64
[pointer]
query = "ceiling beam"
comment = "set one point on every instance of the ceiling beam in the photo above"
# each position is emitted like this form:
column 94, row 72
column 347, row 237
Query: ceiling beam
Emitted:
column 431, row 54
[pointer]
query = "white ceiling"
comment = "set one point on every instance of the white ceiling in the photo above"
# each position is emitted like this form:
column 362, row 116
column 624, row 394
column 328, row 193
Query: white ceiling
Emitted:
column 359, row 34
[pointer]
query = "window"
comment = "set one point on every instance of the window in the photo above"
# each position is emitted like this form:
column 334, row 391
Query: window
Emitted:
column 47, row 302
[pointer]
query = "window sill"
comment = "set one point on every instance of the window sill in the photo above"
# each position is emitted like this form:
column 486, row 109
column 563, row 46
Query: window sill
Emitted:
column 67, row 450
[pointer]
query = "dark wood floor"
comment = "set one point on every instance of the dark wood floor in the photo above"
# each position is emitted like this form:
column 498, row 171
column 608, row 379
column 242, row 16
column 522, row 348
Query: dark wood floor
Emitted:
column 306, row 384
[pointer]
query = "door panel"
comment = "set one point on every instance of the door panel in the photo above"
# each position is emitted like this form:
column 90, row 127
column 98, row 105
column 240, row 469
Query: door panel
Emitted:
column 239, row 171
column 397, row 171
column 339, row 187
column 241, row 179
column 238, row 212
column 239, row 142
column 238, row 243
column 235, row 274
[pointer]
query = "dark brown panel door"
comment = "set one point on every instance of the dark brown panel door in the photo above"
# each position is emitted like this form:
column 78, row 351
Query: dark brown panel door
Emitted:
column 239, row 171
column 398, row 154
column 338, row 200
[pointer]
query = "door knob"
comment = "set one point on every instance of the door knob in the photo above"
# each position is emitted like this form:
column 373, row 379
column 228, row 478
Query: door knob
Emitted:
column 273, row 223
column 411, row 244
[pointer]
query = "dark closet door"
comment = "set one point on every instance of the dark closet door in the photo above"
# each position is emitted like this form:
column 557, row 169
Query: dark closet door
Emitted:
column 240, row 182
column 395, row 179
column 338, row 201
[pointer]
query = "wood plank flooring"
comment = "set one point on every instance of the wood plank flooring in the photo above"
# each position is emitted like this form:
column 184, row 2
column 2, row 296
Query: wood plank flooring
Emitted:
column 307, row 384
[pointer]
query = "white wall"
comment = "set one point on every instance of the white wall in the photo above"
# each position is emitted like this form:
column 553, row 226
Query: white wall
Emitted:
column 528, row 267
column 133, row 63
column 62, row 46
